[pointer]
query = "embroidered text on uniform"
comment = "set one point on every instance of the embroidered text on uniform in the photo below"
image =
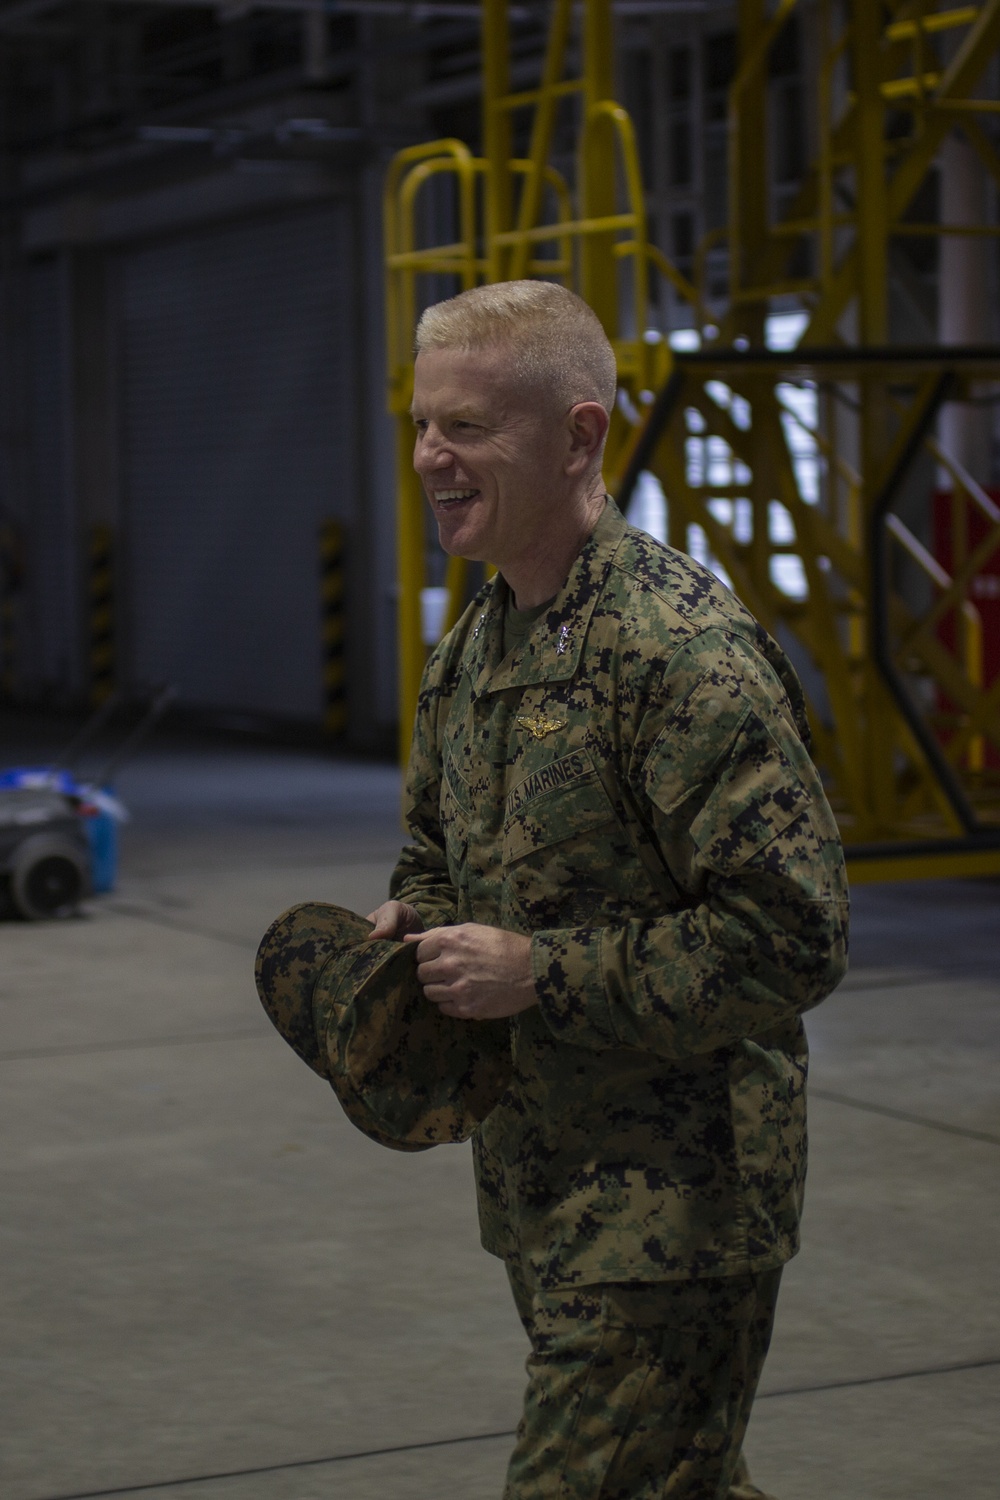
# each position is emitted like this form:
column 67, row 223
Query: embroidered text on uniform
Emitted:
column 570, row 768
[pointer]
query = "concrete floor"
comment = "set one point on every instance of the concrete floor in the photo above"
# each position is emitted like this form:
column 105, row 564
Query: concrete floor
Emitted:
column 213, row 1287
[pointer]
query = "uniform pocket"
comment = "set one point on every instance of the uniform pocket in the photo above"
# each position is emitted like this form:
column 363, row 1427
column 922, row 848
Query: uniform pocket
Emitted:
column 719, row 773
column 562, row 813
column 567, row 861
column 756, row 796
column 693, row 744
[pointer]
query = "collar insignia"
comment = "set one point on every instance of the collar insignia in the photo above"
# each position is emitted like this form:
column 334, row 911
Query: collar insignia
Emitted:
column 539, row 725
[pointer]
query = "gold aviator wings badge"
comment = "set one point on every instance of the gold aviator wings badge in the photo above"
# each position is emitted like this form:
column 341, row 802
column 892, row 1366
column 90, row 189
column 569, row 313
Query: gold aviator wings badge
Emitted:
column 538, row 725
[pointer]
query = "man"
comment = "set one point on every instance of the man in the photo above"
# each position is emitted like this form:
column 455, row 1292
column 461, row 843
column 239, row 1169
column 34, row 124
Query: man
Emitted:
column 620, row 843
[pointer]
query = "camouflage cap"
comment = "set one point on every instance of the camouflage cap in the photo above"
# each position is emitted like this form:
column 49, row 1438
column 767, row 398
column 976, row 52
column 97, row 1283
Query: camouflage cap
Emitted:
column 353, row 1010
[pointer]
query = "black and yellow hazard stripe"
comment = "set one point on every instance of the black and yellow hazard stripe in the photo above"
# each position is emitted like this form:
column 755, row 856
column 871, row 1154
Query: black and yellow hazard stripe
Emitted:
column 8, row 645
column 331, row 551
column 102, row 616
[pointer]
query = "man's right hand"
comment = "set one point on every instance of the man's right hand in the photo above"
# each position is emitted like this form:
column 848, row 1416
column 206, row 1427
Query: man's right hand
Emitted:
column 394, row 919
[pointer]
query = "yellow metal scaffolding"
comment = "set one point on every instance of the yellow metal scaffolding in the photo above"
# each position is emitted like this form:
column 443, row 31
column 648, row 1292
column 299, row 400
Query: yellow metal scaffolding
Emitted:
column 889, row 640
column 518, row 217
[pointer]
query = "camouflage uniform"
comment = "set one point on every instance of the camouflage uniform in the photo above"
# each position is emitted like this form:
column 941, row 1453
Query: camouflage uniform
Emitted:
column 642, row 1390
column 630, row 788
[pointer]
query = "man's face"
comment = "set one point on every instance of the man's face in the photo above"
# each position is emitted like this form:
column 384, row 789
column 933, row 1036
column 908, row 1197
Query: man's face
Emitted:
column 490, row 455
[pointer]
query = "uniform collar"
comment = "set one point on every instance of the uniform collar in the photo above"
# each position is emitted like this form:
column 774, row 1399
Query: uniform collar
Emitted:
column 551, row 651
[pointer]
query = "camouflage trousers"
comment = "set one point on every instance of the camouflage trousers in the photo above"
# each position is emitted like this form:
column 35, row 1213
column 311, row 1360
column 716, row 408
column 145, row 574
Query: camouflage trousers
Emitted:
column 640, row 1391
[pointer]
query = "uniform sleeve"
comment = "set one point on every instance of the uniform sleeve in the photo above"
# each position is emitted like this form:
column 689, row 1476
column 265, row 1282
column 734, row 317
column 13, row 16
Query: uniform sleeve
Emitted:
column 421, row 875
column 742, row 823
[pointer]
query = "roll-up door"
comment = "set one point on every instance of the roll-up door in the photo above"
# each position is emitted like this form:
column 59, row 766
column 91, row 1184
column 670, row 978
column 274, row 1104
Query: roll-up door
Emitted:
column 238, row 439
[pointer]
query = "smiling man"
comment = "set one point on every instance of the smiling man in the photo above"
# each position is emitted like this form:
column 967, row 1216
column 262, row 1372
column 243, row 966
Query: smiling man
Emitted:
column 619, row 842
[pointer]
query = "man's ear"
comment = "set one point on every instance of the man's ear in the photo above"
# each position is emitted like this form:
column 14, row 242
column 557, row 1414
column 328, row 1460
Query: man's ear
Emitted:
column 587, row 423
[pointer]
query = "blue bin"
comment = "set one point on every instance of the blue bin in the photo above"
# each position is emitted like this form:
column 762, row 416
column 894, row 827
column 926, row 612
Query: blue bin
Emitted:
column 102, row 836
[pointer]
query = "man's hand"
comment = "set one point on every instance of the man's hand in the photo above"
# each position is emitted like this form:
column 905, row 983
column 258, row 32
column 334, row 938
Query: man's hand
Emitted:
column 475, row 973
column 395, row 920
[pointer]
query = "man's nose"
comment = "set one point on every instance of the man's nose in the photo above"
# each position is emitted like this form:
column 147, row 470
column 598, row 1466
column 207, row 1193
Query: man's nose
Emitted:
column 430, row 452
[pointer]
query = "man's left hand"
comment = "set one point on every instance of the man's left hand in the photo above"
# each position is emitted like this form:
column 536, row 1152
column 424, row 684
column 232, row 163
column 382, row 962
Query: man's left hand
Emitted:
column 475, row 973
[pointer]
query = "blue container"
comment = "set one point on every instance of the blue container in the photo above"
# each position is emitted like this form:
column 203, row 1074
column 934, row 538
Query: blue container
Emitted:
column 100, row 821
column 102, row 836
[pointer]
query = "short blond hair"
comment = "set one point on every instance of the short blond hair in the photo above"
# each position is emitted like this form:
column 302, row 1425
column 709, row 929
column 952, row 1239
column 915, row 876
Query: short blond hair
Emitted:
column 552, row 339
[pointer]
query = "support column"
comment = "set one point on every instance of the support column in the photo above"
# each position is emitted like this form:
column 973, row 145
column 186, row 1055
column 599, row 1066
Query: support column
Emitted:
column 880, row 793
column 966, row 289
column 965, row 296
column 380, row 638
column 749, row 177
column 870, row 184
column 95, row 470
column 497, row 134
column 597, row 169
column 315, row 45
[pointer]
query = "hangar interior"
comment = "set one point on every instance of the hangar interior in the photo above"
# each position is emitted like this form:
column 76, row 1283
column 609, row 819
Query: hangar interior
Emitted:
column 213, row 1287
column 220, row 222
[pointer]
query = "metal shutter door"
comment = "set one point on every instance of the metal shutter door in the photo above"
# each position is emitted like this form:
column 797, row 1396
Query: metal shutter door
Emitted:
column 238, row 439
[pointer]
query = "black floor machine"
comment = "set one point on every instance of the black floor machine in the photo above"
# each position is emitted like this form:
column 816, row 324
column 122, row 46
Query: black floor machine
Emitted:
column 59, row 830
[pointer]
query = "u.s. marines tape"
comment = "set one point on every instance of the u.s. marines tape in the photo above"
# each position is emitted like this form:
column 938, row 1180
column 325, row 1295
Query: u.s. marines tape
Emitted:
column 352, row 1008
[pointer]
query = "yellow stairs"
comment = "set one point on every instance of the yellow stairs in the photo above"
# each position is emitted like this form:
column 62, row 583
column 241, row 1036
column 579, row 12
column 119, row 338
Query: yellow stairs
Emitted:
column 890, row 643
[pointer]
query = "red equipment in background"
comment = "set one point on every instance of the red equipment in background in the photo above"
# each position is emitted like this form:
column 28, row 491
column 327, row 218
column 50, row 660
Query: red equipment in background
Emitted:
column 972, row 631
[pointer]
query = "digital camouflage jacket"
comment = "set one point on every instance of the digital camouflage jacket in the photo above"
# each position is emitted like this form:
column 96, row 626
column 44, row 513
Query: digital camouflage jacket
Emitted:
column 630, row 787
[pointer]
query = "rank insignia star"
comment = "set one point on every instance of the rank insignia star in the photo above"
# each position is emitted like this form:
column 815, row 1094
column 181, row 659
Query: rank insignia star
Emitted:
column 539, row 725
